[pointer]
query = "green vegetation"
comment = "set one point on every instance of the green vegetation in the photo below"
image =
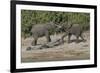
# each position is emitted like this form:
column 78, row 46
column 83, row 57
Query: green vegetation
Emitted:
column 33, row 17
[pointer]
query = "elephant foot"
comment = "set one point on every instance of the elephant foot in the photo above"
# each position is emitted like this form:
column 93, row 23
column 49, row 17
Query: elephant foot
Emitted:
column 77, row 41
column 33, row 44
column 48, row 40
column 84, row 40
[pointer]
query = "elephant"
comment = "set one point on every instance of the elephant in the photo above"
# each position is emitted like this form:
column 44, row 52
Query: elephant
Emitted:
column 74, row 29
column 40, row 30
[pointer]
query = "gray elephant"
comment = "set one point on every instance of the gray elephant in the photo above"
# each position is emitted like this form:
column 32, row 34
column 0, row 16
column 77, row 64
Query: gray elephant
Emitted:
column 74, row 29
column 40, row 30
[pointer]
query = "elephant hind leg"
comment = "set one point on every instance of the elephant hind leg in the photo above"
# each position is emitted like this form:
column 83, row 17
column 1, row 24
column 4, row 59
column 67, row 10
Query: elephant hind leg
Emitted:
column 77, row 39
column 82, row 38
column 48, row 38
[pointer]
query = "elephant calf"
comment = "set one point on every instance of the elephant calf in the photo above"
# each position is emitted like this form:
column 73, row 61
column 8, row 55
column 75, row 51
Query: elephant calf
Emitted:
column 75, row 30
column 40, row 30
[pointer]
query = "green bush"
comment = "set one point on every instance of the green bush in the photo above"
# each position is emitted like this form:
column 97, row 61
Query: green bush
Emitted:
column 33, row 17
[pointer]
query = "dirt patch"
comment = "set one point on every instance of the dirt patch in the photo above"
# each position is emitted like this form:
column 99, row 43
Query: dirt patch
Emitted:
column 65, row 51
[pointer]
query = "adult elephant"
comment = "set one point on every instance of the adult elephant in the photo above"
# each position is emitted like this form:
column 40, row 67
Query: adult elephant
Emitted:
column 40, row 30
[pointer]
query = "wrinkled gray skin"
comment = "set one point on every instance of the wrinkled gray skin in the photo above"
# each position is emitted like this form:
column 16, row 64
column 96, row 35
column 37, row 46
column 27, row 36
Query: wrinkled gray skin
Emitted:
column 40, row 30
column 75, row 30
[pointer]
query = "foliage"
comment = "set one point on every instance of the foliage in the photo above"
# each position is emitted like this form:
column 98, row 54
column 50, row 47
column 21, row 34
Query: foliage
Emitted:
column 33, row 17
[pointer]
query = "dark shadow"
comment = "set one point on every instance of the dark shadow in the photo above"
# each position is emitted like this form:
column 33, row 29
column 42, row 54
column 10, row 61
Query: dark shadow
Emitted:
column 74, row 40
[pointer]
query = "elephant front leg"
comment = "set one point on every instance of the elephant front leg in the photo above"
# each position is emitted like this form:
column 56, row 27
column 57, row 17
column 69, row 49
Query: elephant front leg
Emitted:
column 69, row 36
column 34, row 42
column 48, row 37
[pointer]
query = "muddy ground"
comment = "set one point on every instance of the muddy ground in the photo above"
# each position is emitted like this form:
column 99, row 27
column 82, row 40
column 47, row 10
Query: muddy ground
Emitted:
column 66, row 51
